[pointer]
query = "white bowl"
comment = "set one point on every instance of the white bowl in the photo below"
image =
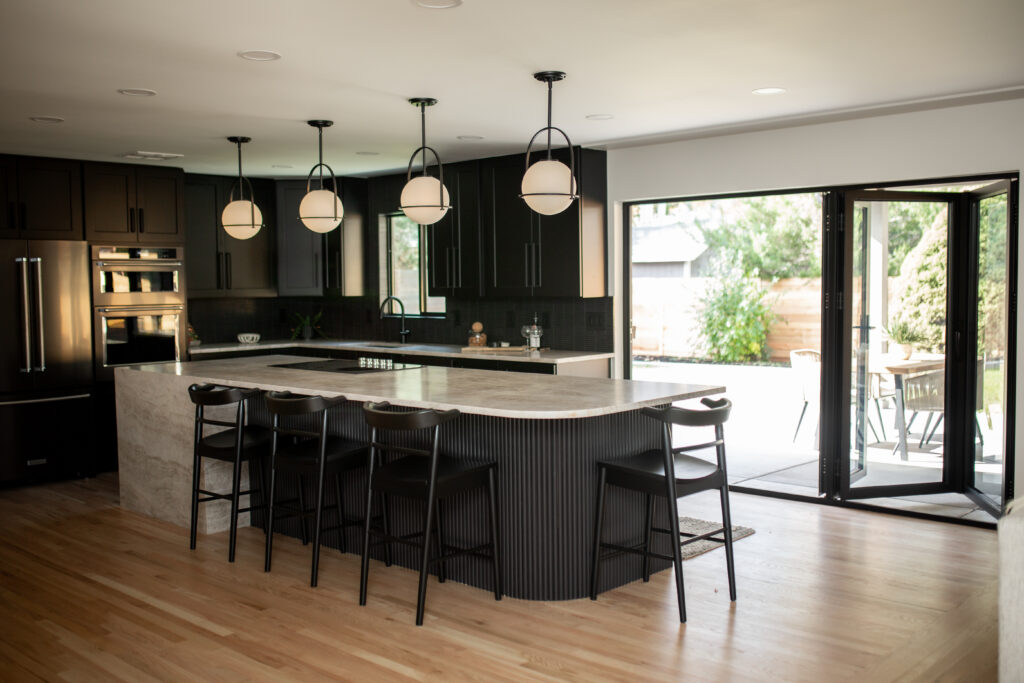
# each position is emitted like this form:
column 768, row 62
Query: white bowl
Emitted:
column 249, row 337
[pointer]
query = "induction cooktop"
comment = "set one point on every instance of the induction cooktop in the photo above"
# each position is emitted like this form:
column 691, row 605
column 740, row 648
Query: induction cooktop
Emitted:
column 351, row 367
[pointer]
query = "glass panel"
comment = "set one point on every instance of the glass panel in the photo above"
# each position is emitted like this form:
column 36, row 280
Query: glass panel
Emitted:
column 140, row 339
column 405, row 263
column 992, row 317
column 125, row 281
column 899, row 342
column 141, row 253
column 728, row 292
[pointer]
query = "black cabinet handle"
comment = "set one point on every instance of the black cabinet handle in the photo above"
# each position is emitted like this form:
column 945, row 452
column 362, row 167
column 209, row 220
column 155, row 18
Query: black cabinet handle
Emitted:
column 337, row 266
column 536, row 265
column 526, row 264
column 227, row 263
column 316, row 270
column 218, row 270
column 24, row 217
column 448, row 279
column 12, row 216
column 456, row 267
column 131, row 219
column 142, row 222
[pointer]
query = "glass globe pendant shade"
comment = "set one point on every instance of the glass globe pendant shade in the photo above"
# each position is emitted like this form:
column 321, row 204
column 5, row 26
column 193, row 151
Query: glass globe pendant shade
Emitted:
column 241, row 219
column 420, row 198
column 548, row 187
column 321, row 210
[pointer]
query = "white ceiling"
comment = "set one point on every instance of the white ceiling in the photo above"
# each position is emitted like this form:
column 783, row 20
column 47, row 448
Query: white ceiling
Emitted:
column 663, row 68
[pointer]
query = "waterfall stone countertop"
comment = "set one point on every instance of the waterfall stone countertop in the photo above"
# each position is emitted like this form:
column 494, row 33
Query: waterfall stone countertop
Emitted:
column 479, row 392
column 554, row 357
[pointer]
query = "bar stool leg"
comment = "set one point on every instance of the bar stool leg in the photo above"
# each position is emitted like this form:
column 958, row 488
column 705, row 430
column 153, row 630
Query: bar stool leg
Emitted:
column 270, row 517
column 598, row 521
column 384, row 500
column 492, row 497
column 364, row 570
column 439, row 531
column 648, row 532
column 236, row 485
column 197, row 464
column 425, row 556
column 319, row 520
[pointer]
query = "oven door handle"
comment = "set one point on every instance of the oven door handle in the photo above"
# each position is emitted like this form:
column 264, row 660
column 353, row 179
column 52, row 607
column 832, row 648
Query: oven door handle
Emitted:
column 140, row 310
column 140, row 264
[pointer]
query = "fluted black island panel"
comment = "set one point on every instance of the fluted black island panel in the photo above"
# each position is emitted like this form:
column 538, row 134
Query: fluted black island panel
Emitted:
column 545, row 432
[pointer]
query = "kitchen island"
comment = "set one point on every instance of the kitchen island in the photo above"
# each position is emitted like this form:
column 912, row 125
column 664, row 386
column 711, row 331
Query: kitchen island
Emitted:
column 545, row 432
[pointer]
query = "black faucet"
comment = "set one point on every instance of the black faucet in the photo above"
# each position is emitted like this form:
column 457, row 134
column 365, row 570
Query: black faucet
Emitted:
column 403, row 333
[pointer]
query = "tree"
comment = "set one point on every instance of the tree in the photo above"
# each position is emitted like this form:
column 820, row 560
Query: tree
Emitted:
column 737, row 316
column 920, row 289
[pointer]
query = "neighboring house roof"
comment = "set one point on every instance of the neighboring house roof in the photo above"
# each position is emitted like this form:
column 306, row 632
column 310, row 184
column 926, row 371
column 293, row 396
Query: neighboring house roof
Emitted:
column 672, row 242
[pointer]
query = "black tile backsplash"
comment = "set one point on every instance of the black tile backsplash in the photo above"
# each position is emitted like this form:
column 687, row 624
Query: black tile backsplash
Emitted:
column 576, row 324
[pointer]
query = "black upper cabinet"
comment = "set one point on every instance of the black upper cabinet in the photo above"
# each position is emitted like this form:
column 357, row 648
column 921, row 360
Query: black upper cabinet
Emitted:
column 343, row 246
column 133, row 204
column 299, row 249
column 528, row 254
column 42, row 198
column 453, row 260
column 219, row 265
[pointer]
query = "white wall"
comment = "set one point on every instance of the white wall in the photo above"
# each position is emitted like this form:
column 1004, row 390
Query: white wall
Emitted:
column 970, row 139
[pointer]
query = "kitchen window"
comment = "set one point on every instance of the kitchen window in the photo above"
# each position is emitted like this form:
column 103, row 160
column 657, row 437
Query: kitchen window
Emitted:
column 404, row 268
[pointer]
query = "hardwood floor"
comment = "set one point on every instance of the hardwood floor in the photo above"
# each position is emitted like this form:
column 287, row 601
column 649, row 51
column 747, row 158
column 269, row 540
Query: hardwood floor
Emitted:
column 91, row 592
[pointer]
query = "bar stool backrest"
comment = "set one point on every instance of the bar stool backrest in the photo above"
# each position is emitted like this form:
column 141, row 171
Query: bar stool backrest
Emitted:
column 210, row 395
column 286, row 404
column 686, row 417
column 381, row 416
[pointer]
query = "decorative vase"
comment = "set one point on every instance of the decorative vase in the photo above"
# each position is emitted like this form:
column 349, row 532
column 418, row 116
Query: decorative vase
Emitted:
column 307, row 332
column 906, row 350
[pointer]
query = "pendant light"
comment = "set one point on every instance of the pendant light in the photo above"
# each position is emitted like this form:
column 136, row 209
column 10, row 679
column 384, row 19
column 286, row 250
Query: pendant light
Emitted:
column 321, row 210
column 549, row 186
column 424, row 198
column 241, row 217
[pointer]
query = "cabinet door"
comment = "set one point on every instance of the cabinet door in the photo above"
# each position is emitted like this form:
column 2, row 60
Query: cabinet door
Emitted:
column 160, row 205
column 202, row 233
column 8, row 198
column 509, row 226
column 454, row 242
column 249, row 263
column 110, row 202
column 299, row 249
column 50, row 198
column 343, row 247
column 556, row 248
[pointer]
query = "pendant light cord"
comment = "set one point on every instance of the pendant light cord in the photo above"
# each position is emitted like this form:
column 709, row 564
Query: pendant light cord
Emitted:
column 320, row 147
column 423, row 134
column 549, row 120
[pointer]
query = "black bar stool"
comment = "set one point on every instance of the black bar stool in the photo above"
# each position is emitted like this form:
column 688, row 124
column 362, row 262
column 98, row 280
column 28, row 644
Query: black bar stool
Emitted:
column 303, row 452
column 240, row 442
column 669, row 474
column 427, row 475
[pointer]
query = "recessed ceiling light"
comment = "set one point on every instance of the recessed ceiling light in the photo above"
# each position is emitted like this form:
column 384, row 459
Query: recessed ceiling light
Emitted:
column 469, row 137
column 137, row 92
column 600, row 117
column 769, row 91
column 367, row 154
column 259, row 55
column 281, row 166
column 437, row 4
column 46, row 119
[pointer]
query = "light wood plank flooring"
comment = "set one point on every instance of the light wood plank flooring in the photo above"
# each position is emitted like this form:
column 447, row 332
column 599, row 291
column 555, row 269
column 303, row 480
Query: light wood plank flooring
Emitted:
column 91, row 592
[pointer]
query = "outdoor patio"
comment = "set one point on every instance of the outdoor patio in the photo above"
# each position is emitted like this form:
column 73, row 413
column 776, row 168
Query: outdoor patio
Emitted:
column 763, row 454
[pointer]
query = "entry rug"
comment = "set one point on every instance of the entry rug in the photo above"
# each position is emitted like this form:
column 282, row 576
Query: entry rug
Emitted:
column 699, row 526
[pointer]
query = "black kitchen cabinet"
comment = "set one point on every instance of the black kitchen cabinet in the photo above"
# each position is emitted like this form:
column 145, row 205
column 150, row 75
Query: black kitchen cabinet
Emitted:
column 528, row 254
column 299, row 249
column 42, row 198
column 127, row 204
column 343, row 246
column 453, row 260
column 218, row 265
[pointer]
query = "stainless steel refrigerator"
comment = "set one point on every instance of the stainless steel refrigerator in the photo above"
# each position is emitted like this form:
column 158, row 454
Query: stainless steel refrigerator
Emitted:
column 45, row 360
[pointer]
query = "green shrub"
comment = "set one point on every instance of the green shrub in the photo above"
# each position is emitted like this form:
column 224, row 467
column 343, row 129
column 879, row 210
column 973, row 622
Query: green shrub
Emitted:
column 737, row 316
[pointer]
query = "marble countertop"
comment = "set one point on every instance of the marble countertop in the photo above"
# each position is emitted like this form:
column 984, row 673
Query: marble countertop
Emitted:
column 480, row 392
column 555, row 357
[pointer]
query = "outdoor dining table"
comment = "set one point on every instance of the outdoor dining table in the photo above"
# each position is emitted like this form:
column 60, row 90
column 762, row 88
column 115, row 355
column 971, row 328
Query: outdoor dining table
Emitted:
column 900, row 368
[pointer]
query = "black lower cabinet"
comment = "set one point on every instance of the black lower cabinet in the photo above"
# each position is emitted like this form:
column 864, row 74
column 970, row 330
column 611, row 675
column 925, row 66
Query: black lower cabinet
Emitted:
column 47, row 438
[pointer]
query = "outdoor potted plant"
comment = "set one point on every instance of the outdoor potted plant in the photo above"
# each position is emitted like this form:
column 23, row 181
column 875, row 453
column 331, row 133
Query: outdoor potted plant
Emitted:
column 904, row 335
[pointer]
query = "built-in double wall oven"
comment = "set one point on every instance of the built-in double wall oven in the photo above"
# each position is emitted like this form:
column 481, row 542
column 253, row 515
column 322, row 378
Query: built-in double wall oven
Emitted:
column 138, row 298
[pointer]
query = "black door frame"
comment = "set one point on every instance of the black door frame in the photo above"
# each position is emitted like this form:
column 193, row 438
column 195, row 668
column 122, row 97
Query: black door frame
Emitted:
column 833, row 375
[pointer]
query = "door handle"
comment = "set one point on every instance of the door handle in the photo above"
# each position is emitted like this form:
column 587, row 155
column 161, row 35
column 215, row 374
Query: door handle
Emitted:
column 40, row 312
column 456, row 267
column 227, row 264
column 218, row 270
column 26, row 316
column 131, row 219
column 142, row 221
column 536, row 265
column 448, row 279
column 337, row 266
column 316, row 270
column 526, row 264
column 12, row 216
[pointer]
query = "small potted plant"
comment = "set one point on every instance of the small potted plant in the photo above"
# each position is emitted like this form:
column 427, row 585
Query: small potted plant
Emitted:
column 306, row 325
column 904, row 335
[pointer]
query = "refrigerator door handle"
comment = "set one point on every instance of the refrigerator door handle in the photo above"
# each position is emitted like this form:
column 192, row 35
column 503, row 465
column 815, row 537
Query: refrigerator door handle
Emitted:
column 38, row 260
column 26, row 315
